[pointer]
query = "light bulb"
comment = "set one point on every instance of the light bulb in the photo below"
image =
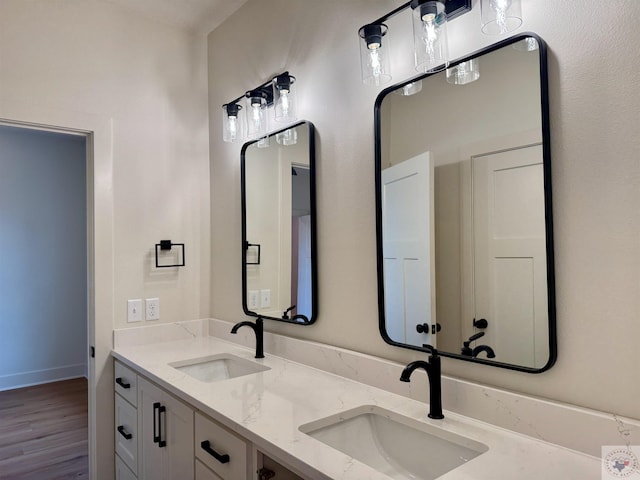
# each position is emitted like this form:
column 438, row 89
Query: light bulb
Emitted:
column 375, row 64
column 284, row 102
column 501, row 6
column 233, row 128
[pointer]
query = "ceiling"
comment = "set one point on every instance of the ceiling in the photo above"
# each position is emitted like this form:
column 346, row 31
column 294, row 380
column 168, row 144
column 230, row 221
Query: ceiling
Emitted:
column 199, row 16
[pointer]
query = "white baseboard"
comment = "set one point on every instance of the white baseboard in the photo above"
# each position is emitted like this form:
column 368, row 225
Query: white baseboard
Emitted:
column 37, row 377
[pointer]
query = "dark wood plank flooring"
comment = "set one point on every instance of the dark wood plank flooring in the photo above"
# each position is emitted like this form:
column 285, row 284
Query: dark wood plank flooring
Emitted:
column 44, row 433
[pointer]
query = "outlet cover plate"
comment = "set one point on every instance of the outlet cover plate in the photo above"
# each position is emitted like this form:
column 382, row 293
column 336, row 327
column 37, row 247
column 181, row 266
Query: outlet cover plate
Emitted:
column 265, row 298
column 152, row 308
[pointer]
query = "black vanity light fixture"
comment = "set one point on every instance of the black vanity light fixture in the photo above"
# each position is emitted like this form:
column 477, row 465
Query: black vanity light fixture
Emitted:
column 278, row 92
column 431, row 48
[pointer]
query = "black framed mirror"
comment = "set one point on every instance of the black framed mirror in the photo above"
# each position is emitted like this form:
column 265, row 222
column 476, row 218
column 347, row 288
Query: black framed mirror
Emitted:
column 279, row 255
column 463, row 207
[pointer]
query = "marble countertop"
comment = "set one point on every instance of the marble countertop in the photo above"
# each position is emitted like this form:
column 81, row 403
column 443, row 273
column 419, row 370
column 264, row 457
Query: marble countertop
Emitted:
column 268, row 407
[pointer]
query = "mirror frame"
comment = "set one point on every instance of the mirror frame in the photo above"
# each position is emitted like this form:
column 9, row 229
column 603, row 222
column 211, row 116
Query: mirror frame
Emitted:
column 546, row 153
column 314, row 249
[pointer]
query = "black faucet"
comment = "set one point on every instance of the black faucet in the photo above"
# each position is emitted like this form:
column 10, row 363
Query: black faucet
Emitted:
column 285, row 314
column 483, row 348
column 432, row 367
column 258, row 330
column 467, row 351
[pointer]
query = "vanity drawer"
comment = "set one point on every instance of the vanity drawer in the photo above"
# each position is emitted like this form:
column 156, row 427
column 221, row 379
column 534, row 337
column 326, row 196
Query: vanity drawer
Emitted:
column 203, row 473
column 126, row 382
column 126, row 433
column 213, row 439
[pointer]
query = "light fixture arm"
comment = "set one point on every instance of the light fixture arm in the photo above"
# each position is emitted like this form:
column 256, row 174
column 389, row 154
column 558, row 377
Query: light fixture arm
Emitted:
column 265, row 90
column 453, row 8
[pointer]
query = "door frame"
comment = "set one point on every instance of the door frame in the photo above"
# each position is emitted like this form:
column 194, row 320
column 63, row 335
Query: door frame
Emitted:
column 98, row 131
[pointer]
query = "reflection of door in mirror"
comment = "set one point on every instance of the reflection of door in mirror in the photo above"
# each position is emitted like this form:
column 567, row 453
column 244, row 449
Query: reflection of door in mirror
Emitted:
column 509, row 254
column 407, row 218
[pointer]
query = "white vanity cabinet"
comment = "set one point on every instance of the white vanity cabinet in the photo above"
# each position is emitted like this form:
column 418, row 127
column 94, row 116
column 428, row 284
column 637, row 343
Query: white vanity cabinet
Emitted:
column 166, row 434
column 159, row 437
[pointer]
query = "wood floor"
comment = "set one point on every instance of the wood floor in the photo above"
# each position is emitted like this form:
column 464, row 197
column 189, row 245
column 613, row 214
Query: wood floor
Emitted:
column 43, row 432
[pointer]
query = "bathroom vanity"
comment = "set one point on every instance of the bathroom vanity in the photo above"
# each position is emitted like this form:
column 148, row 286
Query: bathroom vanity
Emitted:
column 195, row 388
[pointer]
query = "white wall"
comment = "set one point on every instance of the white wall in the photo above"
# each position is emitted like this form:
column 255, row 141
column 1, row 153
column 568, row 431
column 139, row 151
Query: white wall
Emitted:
column 140, row 88
column 43, row 278
column 596, row 175
column 148, row 80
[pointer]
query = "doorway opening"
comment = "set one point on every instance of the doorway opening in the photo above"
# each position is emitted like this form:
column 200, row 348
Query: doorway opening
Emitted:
column 44, row 300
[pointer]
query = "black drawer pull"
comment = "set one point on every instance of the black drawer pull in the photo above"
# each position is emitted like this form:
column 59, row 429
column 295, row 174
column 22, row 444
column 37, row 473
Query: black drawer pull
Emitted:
column 126, row 435
column 157, row 433
column 206, row 446
column 120, row 382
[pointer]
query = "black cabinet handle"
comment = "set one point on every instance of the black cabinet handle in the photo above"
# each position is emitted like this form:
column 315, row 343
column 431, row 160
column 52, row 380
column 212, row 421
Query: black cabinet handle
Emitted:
column 206, row 446
column 120, row 382
column 126, row 435
column 161, row 410
column 157, row 428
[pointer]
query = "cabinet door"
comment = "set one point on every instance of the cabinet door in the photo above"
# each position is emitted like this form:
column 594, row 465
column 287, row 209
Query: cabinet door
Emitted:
column 152, row 457
column 166, row 435
column 179, row 438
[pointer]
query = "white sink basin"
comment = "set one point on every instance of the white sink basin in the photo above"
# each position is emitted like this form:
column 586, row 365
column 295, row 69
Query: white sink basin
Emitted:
column 218, row 367
column 393, row 444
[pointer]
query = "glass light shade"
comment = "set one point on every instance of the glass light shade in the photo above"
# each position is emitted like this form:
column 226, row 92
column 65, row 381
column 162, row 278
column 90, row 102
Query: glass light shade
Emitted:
column 409, row 89
column 500, row 16
column 232, row 123
column 529, row 44
column 463, row 73
column 284, row 98
column 288, row 137
column 264, row 142
column 256, row 116
column 374, row 55
column 430, row 35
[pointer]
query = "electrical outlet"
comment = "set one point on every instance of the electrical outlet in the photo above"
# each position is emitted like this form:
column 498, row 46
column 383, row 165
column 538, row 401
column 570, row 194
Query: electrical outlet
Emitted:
column 265, row 298
column 152, row 308
column 134, row 310
column 253, row 299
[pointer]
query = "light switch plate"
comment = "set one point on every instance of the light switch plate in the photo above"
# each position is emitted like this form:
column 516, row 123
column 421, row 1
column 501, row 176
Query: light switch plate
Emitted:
column 134, row 310
column 152, row 310
column 265, row 298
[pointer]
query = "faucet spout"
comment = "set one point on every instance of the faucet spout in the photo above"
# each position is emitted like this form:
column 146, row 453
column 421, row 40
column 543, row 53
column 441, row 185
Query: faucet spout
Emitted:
column 259, row 332
column 483, row 348
column 433, row 369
